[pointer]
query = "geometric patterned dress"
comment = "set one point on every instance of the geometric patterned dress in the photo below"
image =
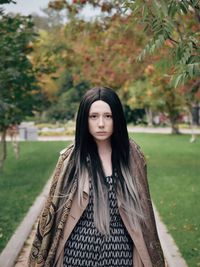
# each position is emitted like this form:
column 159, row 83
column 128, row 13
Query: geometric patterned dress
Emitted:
column 87, row 247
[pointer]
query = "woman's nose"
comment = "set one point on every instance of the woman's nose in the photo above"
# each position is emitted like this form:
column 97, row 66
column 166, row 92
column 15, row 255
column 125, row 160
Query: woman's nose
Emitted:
column 101, row 122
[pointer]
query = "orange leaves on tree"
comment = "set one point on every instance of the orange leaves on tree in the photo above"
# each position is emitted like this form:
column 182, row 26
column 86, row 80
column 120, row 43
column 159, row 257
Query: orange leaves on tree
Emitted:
column 79, row 2
column 169, row 43
column 57, row 5
column 149, row 70
column 106, row 7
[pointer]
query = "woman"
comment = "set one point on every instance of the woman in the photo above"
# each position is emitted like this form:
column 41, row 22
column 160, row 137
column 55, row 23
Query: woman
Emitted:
column 99, row 211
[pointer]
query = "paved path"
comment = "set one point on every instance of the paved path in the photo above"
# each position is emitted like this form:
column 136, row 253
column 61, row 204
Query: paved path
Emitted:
column 22, row 259
column 163, row 130
column 170, row 250
column 136, row 129
column 132, row 129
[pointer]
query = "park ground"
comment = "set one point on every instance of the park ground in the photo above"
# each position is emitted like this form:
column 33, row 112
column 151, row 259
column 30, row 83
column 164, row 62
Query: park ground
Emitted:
column 173, row 168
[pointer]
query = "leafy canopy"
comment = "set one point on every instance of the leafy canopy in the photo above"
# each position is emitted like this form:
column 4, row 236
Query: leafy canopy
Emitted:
column 174, row 24
column 19, row 93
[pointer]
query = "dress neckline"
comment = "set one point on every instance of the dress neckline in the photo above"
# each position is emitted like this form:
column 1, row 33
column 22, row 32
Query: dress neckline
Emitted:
column 111, row 175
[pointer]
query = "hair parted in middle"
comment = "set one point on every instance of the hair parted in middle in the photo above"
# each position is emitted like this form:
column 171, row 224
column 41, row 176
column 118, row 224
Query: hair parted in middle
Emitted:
column 85, row 161
column 83, row 139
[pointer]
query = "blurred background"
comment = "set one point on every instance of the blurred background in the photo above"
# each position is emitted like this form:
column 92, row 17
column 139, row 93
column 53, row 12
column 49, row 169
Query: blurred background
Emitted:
column 52, row 52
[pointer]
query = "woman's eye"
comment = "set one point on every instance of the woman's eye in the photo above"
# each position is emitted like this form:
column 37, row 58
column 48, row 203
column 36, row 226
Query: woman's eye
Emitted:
column 108, row 116
column 93, row 116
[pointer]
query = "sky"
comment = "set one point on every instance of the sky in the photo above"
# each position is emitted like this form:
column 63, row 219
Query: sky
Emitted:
column 26, row 7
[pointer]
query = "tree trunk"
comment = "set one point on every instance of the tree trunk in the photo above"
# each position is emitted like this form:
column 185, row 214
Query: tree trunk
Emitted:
column 175, row 129
column 3, row 151
column 192, row 124
column 174, row 125
column 149, row 115
column 195, row 113
column 13, row 132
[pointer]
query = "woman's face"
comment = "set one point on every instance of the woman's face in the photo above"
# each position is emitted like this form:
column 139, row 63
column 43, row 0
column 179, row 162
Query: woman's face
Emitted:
column 100, row 122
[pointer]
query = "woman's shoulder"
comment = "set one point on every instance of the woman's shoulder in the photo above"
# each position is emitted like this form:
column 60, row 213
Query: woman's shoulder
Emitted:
column 136, row 149
column 134, row 145
column 64, row 153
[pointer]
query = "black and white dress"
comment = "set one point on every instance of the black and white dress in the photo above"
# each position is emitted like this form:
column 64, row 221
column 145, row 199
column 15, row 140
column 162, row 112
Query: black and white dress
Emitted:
column 87, row 247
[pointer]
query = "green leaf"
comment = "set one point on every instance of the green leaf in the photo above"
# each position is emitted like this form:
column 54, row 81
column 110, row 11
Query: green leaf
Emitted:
column 184, row 7
column 191, row 70
column 164, row 7
column 178, row 80
column 172, row 9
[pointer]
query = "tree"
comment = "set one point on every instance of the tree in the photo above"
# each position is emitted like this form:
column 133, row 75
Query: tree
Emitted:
column 104, row 51
column 19, row 93
column 68, row 98
column 154, row 93
column 175, row 24
column 141, row 94
column 172, row 29
column 52, row 19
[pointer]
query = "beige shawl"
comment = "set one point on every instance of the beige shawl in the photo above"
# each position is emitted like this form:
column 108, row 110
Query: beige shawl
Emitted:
column 48, row 233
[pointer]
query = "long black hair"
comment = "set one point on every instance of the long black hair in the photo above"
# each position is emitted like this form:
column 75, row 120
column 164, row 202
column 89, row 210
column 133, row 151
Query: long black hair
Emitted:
column 86, row 161
column 119, row 139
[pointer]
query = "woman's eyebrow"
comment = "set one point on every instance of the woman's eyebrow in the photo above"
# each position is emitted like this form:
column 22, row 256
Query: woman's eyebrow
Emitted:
column 96, row 112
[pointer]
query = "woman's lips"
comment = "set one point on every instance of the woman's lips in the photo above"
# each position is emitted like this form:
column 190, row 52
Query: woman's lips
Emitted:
column 101, row 132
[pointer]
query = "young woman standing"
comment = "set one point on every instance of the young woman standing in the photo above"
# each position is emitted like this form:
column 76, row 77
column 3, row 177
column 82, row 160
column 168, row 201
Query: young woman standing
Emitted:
column 99, row 211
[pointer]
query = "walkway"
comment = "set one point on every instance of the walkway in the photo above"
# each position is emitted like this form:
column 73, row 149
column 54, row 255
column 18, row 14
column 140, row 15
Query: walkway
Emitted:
column 162, row 130
column 132, row 129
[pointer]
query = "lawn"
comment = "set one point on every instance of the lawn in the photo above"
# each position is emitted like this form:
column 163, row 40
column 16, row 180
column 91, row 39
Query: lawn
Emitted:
column 174, row 176
column 22, row 180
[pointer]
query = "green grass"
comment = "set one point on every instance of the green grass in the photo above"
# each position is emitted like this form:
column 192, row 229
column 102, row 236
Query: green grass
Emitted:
column 174, row 177
column 22, row 180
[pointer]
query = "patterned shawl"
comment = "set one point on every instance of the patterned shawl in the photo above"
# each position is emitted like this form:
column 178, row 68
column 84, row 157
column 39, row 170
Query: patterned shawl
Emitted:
column 47, row 237
column 48, row 233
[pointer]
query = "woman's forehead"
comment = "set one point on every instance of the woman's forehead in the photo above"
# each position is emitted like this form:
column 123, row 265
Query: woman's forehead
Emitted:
column 100, row 106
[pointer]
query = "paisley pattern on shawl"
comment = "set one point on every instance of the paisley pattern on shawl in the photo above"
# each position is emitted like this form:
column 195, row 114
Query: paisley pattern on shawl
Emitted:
column 47, row 237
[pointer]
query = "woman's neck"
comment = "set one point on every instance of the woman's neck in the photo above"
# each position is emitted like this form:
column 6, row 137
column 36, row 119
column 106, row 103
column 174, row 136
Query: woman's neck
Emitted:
column 104, row 147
